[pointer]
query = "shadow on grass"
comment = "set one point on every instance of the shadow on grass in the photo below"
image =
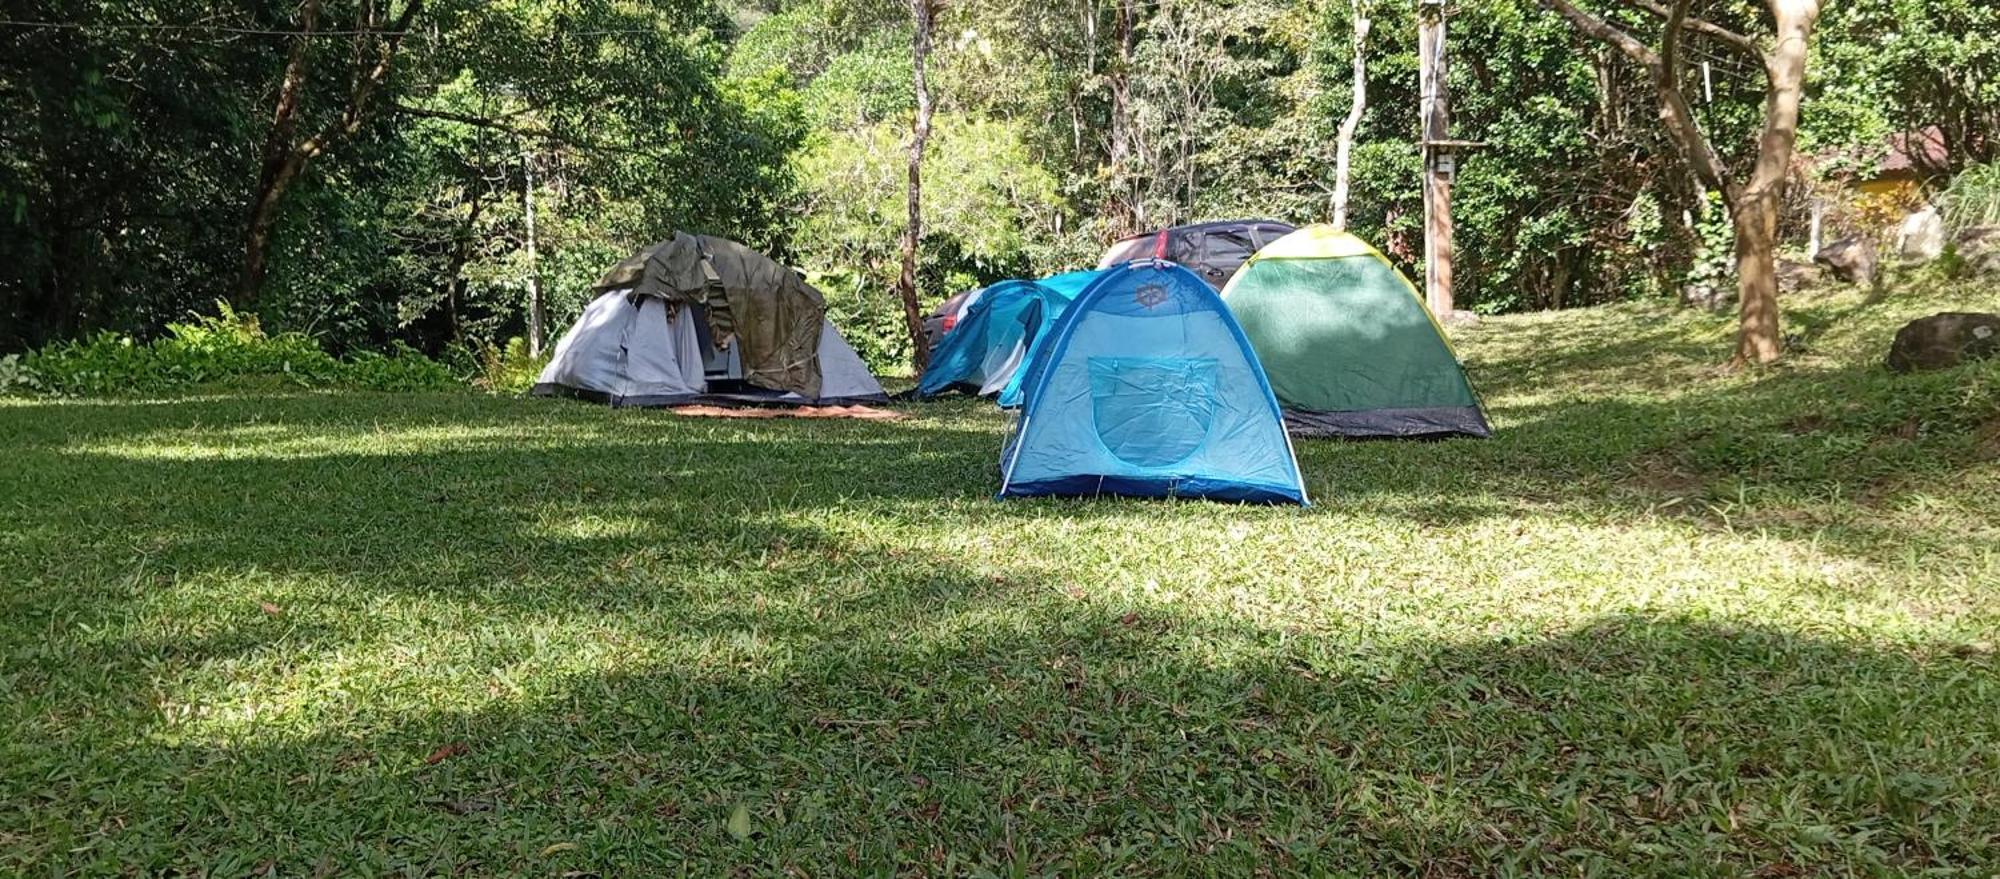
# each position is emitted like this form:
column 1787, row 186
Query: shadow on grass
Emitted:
column 957, row 727
column 243, row 481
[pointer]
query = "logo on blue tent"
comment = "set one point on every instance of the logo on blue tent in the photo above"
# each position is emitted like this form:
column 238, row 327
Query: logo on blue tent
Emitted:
column 1149, row 295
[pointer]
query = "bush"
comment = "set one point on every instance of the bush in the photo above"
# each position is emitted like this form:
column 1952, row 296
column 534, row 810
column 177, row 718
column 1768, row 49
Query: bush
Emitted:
column 509, row 368
column 226, row 348
column 16, row 377
column 1973, row 199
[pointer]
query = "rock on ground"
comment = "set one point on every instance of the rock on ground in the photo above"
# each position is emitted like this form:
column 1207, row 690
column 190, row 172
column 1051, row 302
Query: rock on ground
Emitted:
column 1850, row 259
column 1795, row 275
column 1922, row 237
column 1945, row 340
column 1979, row 246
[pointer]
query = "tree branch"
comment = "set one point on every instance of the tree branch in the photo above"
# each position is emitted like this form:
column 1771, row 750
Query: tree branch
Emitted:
column 356, row 111
column 1670, row 41
column 499, row 124
column 1706, row 28
column 1604, row 32
column 1675, row 112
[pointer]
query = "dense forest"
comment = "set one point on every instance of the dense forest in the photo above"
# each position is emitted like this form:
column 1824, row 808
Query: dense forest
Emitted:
column 423, row 171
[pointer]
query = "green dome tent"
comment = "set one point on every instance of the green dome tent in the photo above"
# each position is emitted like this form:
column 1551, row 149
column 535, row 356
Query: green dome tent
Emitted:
column 1349, row 346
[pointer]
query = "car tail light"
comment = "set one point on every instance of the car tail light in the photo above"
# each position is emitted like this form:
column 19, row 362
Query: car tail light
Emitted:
column 950, row 320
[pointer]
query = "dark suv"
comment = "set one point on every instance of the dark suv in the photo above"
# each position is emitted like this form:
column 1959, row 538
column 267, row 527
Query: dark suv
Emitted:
column 1212, row 250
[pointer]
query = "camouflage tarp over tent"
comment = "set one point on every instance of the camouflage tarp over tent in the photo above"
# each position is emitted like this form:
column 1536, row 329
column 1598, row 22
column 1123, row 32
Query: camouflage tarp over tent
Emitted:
column 696, row 319
column 748, row 298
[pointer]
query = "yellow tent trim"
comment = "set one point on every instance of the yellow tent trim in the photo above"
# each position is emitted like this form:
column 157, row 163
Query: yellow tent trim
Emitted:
column 1321, row 241
column 1318, row 241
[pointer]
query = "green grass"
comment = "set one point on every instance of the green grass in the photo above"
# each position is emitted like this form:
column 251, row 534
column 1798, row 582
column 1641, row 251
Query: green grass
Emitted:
column 1668, row 622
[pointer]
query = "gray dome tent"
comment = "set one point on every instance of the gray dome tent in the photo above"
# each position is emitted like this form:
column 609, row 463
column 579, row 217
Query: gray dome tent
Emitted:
column 700, row 319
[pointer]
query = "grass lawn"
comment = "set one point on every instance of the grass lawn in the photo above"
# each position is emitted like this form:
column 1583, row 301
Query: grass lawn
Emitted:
column 1668, row 622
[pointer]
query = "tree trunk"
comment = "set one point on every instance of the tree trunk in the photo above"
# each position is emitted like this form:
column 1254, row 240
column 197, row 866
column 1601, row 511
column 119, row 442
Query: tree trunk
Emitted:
column 257, row 243
column 1559, row 282
column 1434, row 108
column 284, row 154
column 906, row 285
column 1754, row 212
column 1344, row 152
column 277, row 169
column 535, row 309
column 1124, row 211
column 1756, row 223
column 461, row 254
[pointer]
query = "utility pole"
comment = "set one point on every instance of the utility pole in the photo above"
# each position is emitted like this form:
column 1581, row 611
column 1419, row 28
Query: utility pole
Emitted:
column 535, row 315
column 1439, row 162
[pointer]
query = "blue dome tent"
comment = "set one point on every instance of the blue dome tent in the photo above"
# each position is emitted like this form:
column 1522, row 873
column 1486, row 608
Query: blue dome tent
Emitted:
column 1147, row 387
column 986, row 351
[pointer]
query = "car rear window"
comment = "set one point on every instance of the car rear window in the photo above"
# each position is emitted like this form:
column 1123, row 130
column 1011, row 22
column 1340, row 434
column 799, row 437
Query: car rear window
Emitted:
column 1229, row 248
column 1269, row 233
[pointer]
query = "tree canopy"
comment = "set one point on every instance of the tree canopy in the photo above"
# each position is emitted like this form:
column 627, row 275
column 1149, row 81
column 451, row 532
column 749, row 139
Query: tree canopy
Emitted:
column 132, row 136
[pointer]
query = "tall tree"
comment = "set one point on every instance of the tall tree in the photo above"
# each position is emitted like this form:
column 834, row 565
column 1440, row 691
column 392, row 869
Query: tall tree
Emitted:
column 1755, row 200
column 1344, row 155
column 923, row 13
column 376, row 41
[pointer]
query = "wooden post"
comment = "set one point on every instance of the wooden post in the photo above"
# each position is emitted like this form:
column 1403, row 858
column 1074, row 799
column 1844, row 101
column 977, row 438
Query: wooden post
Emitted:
column 535, row 309
column 1439, row 162
column 1813, row 235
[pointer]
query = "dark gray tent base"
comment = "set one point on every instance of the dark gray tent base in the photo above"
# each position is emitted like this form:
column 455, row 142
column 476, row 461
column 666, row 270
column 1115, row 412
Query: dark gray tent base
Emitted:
column 1437, row 422
column 748, row 396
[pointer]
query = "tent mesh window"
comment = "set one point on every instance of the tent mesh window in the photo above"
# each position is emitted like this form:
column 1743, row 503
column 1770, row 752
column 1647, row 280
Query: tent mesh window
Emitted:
column 1152, row 411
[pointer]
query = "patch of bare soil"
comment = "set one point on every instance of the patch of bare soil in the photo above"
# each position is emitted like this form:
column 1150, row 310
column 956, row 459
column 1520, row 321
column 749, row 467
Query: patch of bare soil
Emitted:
column 1666, row 474
column 862, row 413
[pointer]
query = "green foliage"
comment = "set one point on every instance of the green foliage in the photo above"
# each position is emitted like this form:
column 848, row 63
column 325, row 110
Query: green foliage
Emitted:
column 1715, row 254
column 227, row 349
column 986, row 201
column 1972, row 199
column 784, row 125
column 862, row 88
column 869, row 317
column 1915, row 66
column 509, row 368
column 16, row 377
column 412, row 229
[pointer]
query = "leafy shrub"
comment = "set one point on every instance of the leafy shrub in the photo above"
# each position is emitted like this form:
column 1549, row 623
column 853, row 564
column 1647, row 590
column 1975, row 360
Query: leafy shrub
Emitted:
column 869, row 317
column 1715, row 256
column 16, row 377
column 508, row 368
column 403, row 369
column 1973, row 199
column 225, row 348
